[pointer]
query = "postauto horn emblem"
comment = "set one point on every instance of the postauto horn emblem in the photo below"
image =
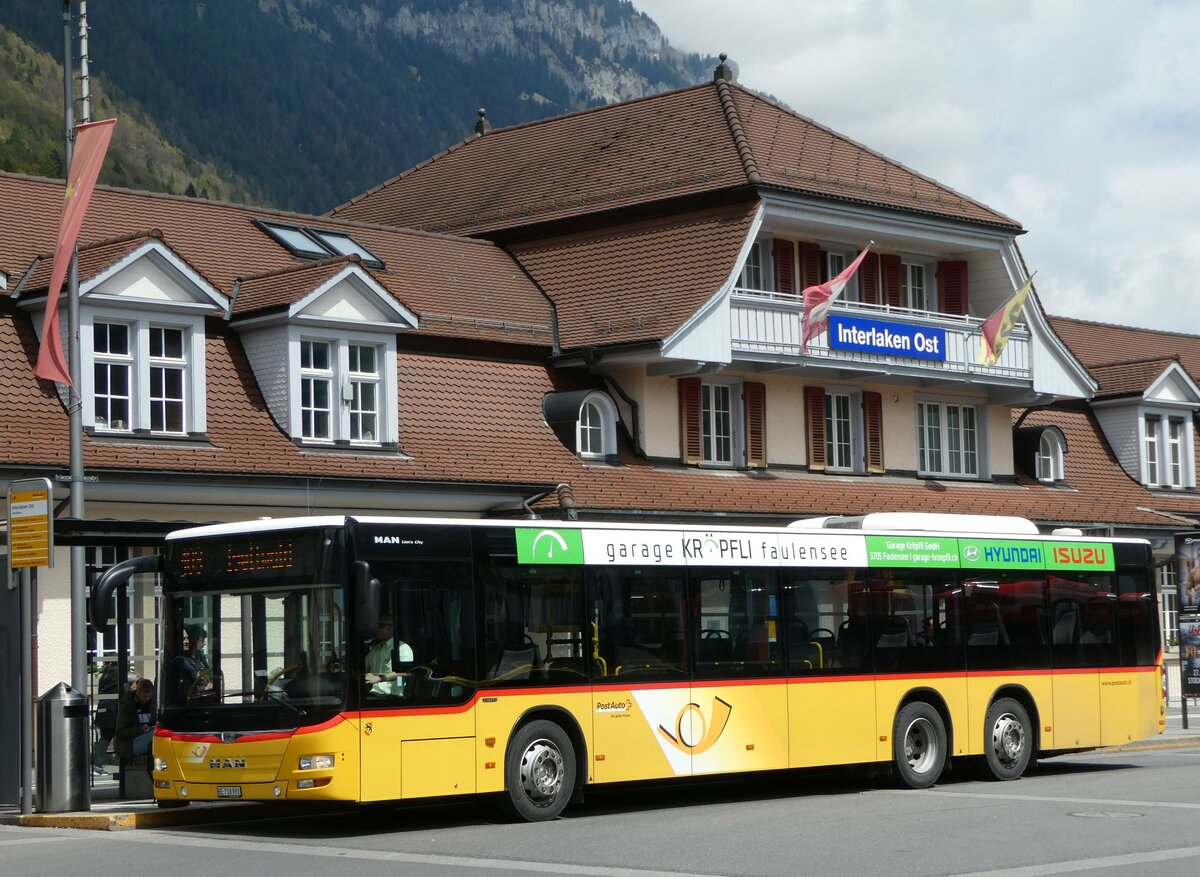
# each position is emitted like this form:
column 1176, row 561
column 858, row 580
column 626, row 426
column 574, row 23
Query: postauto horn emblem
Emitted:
column 709, row 731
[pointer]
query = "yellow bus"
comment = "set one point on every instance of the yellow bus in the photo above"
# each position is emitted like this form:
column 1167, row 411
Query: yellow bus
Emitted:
column 380, row 659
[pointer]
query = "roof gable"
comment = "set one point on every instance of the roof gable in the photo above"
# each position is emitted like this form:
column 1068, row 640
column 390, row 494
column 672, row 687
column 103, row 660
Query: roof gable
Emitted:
column 697, row 140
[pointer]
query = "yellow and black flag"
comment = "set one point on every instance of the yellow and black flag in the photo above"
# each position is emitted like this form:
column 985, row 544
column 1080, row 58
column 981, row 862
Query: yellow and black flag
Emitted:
column 995, row 329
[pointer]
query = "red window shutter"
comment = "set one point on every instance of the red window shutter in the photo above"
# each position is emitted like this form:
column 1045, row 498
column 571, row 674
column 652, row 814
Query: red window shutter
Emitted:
column 868, row 279
column 889, row 267
column 810, row 264
column 873, row 423
column 754, row 401
column 952, row 287
column 785, row 265
column 689, row 420
column 814, row 409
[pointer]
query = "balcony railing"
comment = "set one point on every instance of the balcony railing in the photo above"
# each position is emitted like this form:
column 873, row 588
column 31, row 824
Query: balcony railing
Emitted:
column 765, row 326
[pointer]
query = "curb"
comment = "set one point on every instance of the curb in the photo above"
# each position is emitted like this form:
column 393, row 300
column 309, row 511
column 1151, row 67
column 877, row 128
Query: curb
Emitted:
column 127, row 820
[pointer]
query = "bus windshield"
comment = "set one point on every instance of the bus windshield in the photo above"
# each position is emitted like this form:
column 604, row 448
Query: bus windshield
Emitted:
column 254, row 632
column 271, row 652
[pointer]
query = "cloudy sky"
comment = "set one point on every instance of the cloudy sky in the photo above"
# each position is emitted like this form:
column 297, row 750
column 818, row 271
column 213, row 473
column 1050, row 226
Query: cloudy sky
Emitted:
column 1081, row 120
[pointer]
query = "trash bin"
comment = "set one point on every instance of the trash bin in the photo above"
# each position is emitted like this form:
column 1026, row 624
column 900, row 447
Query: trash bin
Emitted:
column 61, row 750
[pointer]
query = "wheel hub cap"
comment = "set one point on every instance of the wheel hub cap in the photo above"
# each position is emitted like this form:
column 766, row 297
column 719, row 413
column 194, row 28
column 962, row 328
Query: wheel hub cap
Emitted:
column 1008, row 739
column 542, row 772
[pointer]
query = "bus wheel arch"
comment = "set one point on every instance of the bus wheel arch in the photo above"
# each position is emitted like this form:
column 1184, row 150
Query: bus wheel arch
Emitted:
column 1010, row 733
column 920, row 740
column 542, row 765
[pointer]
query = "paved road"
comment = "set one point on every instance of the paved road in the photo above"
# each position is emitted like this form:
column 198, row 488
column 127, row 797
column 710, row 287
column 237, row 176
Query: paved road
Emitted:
column 1130, row 813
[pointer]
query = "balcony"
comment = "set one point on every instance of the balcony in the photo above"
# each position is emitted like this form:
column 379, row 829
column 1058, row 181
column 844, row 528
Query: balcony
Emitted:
column 765, row 329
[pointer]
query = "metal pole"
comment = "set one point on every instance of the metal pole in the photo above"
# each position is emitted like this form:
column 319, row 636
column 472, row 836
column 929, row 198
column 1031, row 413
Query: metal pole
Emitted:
column 26, row 624
column 79, row 675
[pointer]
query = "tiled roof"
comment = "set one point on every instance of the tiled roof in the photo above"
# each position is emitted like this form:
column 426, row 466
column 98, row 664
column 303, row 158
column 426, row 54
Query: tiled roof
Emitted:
column 286, row 286
column 1131, row 378
column 92, row 259
column 637, row 282
column 1093, row 344
column 702, row 139
column 467, row 288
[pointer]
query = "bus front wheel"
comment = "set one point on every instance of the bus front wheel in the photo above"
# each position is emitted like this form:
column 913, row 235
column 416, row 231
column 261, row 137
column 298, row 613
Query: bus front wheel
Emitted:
column 919, row 745
column 539, row 772
column 1008, row 741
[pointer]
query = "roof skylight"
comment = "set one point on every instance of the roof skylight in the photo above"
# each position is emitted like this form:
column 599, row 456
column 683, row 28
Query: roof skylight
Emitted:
column 317, row 243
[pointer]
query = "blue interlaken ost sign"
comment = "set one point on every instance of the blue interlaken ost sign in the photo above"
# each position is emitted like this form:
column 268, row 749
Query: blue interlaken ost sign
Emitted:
column 888, row 338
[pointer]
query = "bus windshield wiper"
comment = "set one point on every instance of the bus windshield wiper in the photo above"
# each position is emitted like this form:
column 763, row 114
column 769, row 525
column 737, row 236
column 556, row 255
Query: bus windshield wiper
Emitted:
column 278, row 698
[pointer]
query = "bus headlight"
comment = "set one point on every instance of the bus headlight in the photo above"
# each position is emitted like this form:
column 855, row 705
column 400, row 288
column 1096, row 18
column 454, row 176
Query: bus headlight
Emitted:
column 316, row 762
column 160, row 764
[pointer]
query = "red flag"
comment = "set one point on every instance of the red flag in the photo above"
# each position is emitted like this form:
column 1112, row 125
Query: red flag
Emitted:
column 819, row 299
column 91, row 142
column 993, row 334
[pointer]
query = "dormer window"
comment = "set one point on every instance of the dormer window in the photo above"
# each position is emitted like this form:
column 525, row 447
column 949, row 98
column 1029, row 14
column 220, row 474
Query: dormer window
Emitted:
column 596, row 435
column 1166, row 450
column 1049, row 458
column 341, row 386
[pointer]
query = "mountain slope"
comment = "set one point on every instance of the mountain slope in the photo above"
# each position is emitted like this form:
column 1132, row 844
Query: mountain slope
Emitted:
column 318, row 100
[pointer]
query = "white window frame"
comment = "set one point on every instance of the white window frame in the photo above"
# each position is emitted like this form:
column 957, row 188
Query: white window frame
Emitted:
column 928, row 269
column 1048, row 460
column 755, row 262
column 345, row 386
column 737, row 427
column 854, row 460
column 600, row 406
column 162, row 364
column 314, row 377
column 834, row 259
column 363, row 383
column 124, row 362
column 943, row 466
column 1167, row 449
column 141, row 366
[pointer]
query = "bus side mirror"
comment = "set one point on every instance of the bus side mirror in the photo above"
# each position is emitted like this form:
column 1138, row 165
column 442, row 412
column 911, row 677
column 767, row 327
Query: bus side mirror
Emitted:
column 367, row 593
column 112, row 578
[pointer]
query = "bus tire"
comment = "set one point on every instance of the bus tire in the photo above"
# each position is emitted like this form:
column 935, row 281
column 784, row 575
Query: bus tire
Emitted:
column 539, row 772
column 919, row 745
column 1008, row 740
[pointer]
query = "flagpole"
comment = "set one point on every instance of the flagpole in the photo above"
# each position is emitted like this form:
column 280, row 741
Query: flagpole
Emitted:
column 75, row 478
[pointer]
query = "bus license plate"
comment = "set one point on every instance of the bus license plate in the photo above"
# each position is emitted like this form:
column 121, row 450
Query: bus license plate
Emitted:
column 229, row 791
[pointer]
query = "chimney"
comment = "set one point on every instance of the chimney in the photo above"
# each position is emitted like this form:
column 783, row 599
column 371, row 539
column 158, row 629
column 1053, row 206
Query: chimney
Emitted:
column 723, row 72
column 483, row 125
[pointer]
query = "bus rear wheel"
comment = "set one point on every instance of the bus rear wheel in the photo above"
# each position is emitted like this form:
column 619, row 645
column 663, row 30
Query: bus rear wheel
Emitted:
column 919, row 745
column 539, row 772
column 1008, row 740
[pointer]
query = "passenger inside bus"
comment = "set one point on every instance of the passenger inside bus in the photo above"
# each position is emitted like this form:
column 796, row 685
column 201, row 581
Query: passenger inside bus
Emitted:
column 380, row 674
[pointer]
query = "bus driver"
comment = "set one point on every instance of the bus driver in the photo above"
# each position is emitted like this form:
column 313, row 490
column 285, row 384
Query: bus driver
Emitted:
column 384, row 681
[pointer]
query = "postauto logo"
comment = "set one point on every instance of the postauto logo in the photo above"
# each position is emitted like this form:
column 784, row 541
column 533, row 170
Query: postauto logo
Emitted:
column 549, row 546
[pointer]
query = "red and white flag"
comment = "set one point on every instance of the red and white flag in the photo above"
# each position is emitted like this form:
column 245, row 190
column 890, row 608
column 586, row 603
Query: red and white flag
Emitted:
column 91, row 143
column 818, row 299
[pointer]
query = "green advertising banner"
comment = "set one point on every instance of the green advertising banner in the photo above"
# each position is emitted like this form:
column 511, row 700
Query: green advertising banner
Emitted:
column 1079, row 555
column 549, row 546
column 911, row 551
column 1002, row 554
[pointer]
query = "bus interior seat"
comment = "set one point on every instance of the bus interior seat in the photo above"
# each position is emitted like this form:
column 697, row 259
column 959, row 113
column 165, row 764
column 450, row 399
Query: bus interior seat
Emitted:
column 517, row 661
column 989, row 629
column 1066, row 623
column 894, row 634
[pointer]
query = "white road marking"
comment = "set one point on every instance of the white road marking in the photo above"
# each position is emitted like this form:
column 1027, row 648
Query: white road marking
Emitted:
column 1049, row 799
column 1123, row 861
column 231, row 843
